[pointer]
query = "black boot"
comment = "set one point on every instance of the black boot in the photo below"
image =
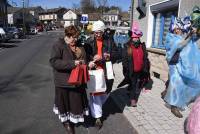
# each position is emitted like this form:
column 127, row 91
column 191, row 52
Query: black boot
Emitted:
column 69, row 127
column 176, row 112
column 98, row 123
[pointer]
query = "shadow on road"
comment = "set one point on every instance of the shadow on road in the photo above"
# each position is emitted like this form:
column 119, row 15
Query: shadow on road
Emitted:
column 121, row 96
column 7, row 46
column 14, row 41
column 109, row 108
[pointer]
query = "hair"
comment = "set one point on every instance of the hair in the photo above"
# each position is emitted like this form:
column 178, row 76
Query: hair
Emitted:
column 71, row 31
column 129, row 49
column 129, row 33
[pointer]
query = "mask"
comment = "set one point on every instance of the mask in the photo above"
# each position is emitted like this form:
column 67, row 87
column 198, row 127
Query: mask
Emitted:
column 136, row 43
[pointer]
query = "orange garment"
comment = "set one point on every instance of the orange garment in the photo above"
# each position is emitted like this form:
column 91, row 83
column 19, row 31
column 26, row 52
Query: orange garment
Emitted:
column 99, row 52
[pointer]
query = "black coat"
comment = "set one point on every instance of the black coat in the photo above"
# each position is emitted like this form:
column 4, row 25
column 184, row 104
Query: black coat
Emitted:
column 108, row 46
column 63, row 61
column 127, row 61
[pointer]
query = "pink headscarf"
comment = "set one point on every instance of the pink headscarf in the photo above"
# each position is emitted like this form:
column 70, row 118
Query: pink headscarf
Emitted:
column 136, row 33
column 193, row 124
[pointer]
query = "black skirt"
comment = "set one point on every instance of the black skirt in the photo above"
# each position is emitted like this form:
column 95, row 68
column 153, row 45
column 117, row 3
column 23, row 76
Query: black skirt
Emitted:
column 71, row 104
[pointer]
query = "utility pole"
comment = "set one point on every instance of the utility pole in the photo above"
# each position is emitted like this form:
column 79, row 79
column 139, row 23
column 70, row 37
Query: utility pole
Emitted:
column 131, row 13
column 23, row 17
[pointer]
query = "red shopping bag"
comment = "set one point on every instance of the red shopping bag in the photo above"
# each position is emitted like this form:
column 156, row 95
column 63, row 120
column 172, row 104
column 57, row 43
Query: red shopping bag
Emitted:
column 76, row 76
column 86, row 77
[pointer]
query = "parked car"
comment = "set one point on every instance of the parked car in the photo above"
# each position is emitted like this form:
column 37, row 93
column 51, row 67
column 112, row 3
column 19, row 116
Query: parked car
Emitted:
column 32, row 30
column 16, row 33
column 39, row 28
column 4, row 36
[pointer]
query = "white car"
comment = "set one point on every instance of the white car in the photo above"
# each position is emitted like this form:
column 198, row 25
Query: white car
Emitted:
column 2, row 35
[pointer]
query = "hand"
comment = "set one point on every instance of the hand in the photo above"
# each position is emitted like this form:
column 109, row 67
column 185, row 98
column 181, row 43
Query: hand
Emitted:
column 106, row 56
column 91, row 64
column 97, row 57
column 194, row 30
column 78, row 62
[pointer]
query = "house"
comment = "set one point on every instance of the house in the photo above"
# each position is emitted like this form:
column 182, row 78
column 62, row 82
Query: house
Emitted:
column 3, row 13
column 125, row 19
column 34, row 11
column 71, row 18
column 17, row 16
column 93, row 17
column 112, row 18
column 154, row 17
column 52, row 16
column 14, row 16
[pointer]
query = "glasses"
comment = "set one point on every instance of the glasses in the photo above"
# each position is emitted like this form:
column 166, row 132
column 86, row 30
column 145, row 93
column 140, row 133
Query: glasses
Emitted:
column 74, row 37
column 98, row 33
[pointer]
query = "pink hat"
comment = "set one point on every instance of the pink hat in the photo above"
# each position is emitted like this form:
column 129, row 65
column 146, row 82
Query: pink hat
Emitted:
column 136, row 33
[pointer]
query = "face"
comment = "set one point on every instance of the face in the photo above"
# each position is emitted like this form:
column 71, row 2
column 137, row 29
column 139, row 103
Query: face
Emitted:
column 135, row 38
column 177, row 31
column 71, row 40
column 98, row 34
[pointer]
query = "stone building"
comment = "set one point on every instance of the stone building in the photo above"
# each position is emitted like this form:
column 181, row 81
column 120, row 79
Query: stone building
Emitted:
column 52, row 16
column 154, row 17
column 3, row 13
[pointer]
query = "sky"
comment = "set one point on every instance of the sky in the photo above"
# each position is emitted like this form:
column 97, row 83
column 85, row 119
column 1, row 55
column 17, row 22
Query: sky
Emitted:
column 124, row 4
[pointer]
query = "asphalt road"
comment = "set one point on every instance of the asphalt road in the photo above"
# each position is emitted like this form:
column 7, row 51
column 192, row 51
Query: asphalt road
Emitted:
column 27, row 92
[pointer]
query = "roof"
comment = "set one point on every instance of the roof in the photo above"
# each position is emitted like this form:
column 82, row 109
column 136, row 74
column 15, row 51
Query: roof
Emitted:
column 94, row 16
column 74, row 11
column 13, row 9
column 39, row 8
column 53, row 10
column 112, row 12
column 125, row 16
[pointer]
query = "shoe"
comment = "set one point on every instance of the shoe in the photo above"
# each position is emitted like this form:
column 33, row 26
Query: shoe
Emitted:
column 163, row 94
column 98, row 123
column 69, row 128
column 176, row 112
column 133, row 103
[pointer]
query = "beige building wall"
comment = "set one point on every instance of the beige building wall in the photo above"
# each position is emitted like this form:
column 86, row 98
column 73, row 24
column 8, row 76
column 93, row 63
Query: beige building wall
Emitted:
column 48, row 17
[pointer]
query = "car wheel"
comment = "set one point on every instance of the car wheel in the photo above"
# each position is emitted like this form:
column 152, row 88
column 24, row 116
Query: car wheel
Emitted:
column 16, row 36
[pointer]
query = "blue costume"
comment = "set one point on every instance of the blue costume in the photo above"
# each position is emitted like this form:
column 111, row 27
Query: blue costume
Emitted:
column 184, row 85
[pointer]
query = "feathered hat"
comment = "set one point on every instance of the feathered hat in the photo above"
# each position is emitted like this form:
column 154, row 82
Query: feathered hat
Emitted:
column 136, row 33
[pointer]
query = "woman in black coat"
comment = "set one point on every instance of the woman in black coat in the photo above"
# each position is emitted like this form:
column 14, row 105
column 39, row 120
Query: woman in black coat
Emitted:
column 70, row 101
column 135, row 64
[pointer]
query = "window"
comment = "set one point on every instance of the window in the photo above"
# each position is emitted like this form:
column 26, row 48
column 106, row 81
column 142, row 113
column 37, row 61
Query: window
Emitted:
column 161, row 15
column 161, row 27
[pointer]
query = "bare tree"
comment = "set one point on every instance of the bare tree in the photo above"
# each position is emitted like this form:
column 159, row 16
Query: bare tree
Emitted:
column 87, row 6
column 75, row 6
column 102, row 4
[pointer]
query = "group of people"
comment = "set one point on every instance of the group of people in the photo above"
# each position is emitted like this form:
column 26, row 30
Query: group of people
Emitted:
column 72, row 102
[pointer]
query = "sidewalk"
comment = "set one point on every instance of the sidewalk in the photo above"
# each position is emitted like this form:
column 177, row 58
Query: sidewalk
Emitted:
column 151, row 116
